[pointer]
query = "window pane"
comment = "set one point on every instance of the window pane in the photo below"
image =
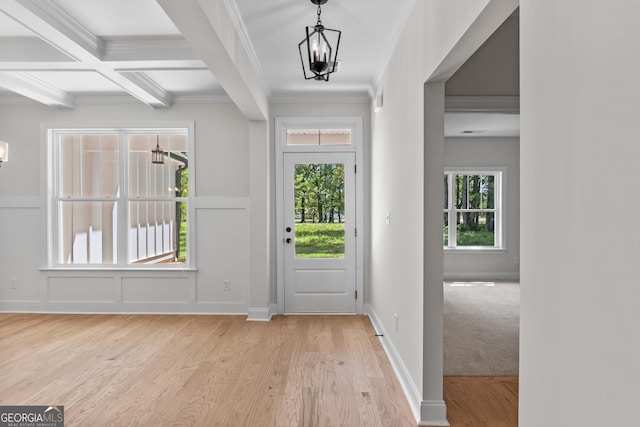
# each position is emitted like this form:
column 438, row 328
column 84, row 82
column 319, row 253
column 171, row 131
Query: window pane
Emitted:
column 446, row 191
column 157, row 232
column 319, row 137
column 88, row 232
column 319, row 211
column 445, row 233
column 475, row 229
column 475, row 191
column 89, row 165
column 148, row 180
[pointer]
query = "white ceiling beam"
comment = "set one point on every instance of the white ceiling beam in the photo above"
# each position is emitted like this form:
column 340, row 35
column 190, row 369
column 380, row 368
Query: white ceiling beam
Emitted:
column 26, row 85
column 208, row 27
column 52, row 24
column 142, row 80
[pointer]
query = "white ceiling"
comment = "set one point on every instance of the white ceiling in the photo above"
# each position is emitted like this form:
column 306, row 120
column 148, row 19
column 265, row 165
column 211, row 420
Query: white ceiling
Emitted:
column 57, row 52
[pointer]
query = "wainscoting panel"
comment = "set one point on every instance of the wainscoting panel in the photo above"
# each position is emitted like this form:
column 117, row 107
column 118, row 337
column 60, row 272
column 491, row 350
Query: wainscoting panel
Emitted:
column 81, row 289
column 155, row 289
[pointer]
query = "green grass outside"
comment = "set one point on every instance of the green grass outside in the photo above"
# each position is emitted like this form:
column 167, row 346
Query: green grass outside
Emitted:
column 182, row 241
column 471, row 238
column 320, row 240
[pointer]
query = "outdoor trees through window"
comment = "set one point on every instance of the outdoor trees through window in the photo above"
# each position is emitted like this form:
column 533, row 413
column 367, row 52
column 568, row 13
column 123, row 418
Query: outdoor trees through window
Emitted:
column 319, row 210
column 472, row 203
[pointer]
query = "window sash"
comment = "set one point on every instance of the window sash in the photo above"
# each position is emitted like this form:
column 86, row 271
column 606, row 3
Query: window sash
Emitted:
column 450, row 230
column 70, row 193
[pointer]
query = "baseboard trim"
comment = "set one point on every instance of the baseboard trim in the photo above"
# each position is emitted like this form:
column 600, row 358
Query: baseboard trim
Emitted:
column 433, row 413
column 482, row 277
column 261, row 314
column 408, row 386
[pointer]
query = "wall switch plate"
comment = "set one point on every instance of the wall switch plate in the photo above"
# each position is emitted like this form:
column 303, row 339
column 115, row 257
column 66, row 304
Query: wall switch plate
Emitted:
column 12, row 283
column 227, row 285
column 387, row 218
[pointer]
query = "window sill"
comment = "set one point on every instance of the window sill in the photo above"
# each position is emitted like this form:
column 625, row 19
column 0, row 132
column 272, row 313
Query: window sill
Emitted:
column 475, row 251
column 122, row 269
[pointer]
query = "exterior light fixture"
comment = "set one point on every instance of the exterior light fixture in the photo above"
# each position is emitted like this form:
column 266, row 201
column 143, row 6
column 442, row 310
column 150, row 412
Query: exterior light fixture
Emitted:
column 4, row 152
column 319, row 49
column 157, row 155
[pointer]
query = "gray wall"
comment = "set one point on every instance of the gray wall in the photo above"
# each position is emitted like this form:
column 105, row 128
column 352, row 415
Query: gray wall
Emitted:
column 488, row 152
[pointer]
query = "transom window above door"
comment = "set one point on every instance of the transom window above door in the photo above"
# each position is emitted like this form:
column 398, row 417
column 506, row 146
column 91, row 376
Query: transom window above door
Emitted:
column 322, row 137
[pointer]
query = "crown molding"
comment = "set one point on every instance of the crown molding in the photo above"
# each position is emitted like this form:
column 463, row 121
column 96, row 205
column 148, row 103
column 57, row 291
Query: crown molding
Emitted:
column 120, row 99
column 484, row 104
column 306, row 97
column 27, row 85
column 147, row 84
column 238, row 24
column 55, row 16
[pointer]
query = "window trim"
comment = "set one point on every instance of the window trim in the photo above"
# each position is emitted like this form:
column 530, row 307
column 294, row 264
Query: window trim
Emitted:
column 49, row 164
column 500, row 209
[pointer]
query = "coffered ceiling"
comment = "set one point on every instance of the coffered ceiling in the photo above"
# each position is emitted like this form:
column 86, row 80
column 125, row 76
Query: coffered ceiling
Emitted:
column 59, row 52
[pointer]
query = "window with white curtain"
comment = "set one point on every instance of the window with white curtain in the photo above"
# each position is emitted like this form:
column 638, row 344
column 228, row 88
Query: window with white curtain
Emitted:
column 110, row 205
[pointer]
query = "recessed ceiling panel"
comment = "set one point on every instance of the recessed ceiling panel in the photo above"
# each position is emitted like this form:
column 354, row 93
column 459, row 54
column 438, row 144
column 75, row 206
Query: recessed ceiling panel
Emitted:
column 77, row 81
column 186, row 81
column 9, row 27
column 107, row 18
column 369, row 29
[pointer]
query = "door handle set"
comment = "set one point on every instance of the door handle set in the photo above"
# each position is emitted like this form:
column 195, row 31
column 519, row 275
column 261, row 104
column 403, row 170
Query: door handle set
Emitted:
column 288, row 239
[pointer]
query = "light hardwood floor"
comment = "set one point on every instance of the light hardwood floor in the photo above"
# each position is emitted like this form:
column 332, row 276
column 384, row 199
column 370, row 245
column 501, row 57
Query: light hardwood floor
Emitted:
column 222, row 371
column 481, row 401
column 201, row 370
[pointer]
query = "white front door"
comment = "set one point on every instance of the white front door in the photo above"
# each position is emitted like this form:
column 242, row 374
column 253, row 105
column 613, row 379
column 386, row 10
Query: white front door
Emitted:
column 319, row 232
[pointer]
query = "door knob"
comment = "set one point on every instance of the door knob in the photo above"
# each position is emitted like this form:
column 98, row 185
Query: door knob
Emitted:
column 288, row 240
column 288, row 229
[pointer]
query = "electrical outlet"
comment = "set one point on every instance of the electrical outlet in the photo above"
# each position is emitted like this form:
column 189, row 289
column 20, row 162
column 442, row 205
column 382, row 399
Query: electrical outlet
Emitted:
column 227, row 285
column 12, row 283
column 395, row 320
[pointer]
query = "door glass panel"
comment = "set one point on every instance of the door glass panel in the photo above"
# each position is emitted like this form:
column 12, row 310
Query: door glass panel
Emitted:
column 319, row 210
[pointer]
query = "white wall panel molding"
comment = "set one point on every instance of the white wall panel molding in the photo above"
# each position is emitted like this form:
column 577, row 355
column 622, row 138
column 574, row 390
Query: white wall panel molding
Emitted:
column 221, row 202
column 20, row 202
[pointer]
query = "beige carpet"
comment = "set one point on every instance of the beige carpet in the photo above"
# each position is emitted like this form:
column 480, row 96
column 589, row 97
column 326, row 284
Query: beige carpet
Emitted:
column 481, row 328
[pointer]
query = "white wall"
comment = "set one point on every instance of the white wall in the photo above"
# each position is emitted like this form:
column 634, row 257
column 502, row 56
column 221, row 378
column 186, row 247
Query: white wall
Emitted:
column 579, row 148
column 222, row 207
column 396, row 284
column 406, row 275
column 498, row 153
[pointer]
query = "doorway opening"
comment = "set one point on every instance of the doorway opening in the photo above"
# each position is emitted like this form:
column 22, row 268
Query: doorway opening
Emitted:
column 318, row 215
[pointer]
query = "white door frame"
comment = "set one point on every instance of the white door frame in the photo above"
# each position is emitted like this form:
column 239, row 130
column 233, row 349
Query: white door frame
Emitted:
column 282, row 124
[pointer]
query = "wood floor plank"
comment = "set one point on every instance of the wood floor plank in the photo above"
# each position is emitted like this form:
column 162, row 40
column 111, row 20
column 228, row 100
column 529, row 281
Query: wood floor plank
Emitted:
column 481, row 401
column 223, row 371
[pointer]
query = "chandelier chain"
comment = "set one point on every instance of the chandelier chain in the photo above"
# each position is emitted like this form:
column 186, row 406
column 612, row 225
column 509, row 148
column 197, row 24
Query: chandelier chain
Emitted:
column 319, row 13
